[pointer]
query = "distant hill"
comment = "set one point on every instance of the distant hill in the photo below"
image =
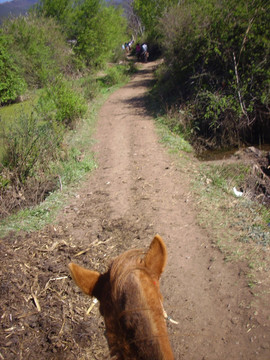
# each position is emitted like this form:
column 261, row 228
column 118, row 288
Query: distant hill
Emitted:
column 15, row 8
column 20, row 7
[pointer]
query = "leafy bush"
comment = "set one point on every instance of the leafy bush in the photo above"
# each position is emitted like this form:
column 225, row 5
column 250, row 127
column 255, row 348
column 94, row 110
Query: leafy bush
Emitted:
column 217, row 56
column 90, row 87
column 29, row 145
column 115, row 75
column 11, row 83
column 62, row 103
column 98, row 29
column 38, row 48
column 57, row 9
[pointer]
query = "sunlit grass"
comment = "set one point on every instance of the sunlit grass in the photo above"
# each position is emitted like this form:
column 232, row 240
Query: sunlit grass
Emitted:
column 173, row 141
column 80, row 161
column 10, row 113
column 237, row 226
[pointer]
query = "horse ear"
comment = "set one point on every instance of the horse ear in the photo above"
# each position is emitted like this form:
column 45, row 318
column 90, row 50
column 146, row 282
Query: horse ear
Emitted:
column 156, row 256
column 84, row 278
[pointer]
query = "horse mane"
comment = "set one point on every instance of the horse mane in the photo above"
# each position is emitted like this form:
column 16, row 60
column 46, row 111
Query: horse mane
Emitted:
column 123, row 266
column 133, row 311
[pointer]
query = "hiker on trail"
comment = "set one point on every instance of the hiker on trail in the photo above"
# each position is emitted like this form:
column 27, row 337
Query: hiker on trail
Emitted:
column 138, row 51
column 127, row 47
column 144, row 52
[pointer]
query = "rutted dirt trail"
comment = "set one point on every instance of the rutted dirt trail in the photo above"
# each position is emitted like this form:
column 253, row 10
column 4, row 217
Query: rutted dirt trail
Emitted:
column 136, row 192
column 202, row 292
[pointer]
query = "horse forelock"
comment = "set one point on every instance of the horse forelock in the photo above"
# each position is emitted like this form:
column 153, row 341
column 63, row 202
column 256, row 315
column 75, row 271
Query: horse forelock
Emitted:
column 122, row 267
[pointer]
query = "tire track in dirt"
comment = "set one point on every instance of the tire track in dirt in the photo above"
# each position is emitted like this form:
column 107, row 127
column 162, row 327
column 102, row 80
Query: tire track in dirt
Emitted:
column 201, row 291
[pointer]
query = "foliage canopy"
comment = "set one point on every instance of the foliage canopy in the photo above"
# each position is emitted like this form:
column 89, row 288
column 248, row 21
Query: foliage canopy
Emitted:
column 38, row 48
column 96, row 28
column 11, row 83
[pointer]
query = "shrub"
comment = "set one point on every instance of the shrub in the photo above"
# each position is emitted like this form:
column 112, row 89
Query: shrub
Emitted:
column 90, row 87
column 11, row 83
column 115, row 75
column 98, row 29
column 30, row 144
column 217, row 56
column 62, row 103
column 38, row 48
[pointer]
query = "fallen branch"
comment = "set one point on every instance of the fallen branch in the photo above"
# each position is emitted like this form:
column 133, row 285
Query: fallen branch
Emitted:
column 94, row 243
column 242, row 104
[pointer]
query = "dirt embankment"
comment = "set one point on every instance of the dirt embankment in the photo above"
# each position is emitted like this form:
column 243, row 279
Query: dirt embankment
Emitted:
column 136, row 192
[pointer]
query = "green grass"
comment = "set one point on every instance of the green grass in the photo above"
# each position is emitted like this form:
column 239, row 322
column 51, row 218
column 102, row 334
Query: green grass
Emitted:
column 35, row 218
column 237, row 226
column 10, row 113
column 176, row 143
column 71, row 171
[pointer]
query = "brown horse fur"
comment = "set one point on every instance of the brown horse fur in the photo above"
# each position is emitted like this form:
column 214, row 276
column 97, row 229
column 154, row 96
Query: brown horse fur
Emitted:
column 131, row 302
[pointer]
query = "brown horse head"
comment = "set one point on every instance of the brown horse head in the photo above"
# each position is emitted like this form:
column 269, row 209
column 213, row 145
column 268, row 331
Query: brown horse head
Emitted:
column 131, row 303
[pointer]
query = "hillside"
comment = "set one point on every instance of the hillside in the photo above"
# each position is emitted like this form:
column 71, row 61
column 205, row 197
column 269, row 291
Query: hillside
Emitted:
column 15, row 7
column 19, row 7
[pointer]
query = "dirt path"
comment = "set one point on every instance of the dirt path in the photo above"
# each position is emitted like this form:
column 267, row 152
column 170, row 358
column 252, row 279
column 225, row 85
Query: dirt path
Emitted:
column 136, row 192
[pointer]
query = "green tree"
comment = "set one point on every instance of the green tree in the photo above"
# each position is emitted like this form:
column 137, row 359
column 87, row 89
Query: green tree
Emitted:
column 98, row 29
column 38, row 48
column 57, row 9
column 150, row 11
column 11, row 83
column 217, row 58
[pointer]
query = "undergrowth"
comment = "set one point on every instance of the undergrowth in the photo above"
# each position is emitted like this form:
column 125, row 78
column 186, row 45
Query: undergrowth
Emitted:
column 175, row 142
column 73, row 161
column 238, row 226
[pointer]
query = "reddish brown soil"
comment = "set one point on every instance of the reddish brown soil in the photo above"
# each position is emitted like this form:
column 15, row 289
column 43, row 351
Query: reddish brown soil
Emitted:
column 136, row 192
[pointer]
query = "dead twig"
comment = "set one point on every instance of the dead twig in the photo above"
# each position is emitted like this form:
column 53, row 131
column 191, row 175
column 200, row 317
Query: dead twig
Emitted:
column 91, row 306
column 242, row 104
column 60, row 182
column 36, row 302
column 94, row 243
column 62, row 327
column 54, row 246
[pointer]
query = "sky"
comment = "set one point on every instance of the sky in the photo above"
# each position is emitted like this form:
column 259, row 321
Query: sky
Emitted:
column 3, row 1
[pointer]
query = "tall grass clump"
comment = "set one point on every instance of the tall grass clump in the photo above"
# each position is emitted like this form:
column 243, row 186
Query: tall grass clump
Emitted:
column 115, row 75
column 61, row 102
column 90, row 87
column 30, row 144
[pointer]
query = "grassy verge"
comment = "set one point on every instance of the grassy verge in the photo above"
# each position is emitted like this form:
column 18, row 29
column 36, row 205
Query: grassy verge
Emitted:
column 10, row 113
column 175, row 143
column 78, row 160
column 238, row 226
